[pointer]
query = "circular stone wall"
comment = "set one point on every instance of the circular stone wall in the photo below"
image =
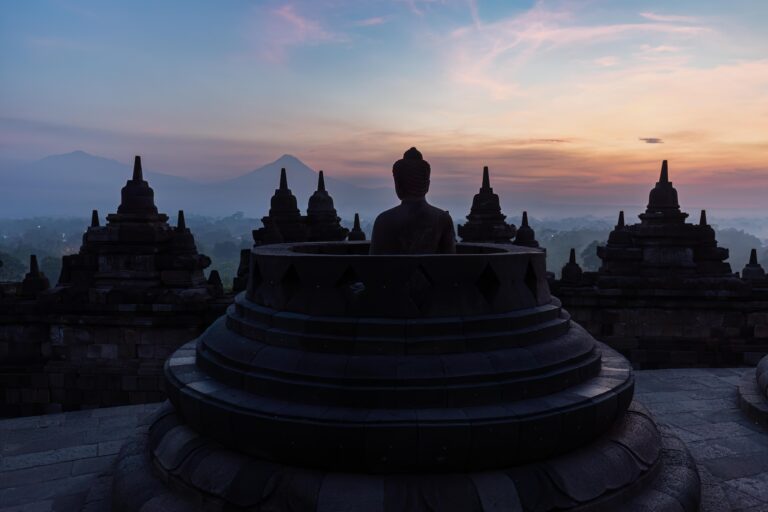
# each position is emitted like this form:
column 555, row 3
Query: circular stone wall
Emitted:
column 342, row 381
column 448, row 363
column 341, row 279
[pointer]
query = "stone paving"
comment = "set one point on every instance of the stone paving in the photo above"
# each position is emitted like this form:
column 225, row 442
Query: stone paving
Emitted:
column 56, row 462
column 701, row 407
column 50, row 463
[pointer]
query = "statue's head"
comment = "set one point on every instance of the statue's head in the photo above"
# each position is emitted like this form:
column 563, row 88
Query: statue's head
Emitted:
column 411, row 175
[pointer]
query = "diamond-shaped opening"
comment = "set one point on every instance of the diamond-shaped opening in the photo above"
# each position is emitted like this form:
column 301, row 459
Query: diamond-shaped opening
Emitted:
column 420, row 286
column 488, row 283
column 531, row 281
column 350, row 282
column 290, row 283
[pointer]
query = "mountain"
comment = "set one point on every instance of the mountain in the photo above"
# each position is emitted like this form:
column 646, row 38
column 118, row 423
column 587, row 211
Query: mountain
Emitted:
column 259, row 185
column 77, row 182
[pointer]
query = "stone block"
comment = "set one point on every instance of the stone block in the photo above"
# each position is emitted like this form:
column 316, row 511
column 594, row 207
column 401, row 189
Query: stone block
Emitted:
column 148, row 383
column 733, row 319
column 131, row 336
column 28, row 396
column 109, row 351
column 39, row 380
column 759, row 318
column 130, row 383
column 57, row 395
column 57, row 335
column 145, row 351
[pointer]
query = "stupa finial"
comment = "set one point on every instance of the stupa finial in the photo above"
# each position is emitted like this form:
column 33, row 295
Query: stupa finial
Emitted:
column 664, row 177
column 181, row 223
column 357, row 234
column 703, row 218
column 620, row 224
column 283, row 180
column 320, row 182
column 95, row 218
column 525, row 235
column 663, row 206
column 486, row 179
column 571, row 273
column 34, row 281
column 138, row 174
column 34, row 268
column 753, row 271
column 214, row 278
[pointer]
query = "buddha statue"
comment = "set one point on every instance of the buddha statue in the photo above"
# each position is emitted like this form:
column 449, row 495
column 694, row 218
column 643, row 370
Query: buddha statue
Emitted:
column 415, row 226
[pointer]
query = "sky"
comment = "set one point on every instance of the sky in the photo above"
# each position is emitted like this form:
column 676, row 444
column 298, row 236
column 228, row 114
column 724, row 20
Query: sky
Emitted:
column 572, row 102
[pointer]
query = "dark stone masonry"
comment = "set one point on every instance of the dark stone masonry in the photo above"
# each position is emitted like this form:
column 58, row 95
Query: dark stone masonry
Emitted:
column 753, row 393
column 133, row 294
column 284, row 223
column 485, row 222
column 412, row 373
column 665, row 296
column 344, row 380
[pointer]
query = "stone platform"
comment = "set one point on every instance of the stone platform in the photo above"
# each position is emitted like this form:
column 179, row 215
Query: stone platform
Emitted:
column 61, row 462
column 753, row 393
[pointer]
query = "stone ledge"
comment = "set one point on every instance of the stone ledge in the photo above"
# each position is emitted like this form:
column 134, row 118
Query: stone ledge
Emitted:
column 665, row 480
column 751, row 399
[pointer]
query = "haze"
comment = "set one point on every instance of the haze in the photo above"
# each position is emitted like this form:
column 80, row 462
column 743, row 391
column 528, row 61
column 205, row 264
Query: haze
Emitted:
column 570, row 103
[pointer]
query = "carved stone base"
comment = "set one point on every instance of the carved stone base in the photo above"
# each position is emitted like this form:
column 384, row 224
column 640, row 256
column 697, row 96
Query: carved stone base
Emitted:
column 753, row 393
column 633, row 467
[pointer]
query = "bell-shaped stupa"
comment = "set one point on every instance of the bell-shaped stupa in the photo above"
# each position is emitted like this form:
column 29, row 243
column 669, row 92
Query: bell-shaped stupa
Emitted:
column 284, row 223
column 323, row 223
column 485, row 222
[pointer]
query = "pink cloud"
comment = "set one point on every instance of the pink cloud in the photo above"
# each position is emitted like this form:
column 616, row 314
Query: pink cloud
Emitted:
column 277, row 31
column 668, row 18
column 493, row 55
column 417, row 7
column 606, row 61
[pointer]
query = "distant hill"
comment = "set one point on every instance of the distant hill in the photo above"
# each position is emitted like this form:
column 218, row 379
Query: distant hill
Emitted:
column 257, row 187
column 77, row 182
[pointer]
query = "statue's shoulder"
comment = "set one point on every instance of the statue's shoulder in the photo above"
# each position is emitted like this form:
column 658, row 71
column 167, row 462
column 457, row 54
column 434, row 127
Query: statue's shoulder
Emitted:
column 443, row 215
column 386, row 217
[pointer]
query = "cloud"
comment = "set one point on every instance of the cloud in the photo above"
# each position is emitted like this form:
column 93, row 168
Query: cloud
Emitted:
column 278, row 30
column 606, row 61
column 371, row 22
column 474, row 12
column 651, row 140
column 493, row 56
column 662, row 48
column 418, row 7
column 668, row 18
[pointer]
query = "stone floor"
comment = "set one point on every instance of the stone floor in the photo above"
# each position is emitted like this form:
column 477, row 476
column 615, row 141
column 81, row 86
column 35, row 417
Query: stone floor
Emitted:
column 701, row 407
column 50, row 463
column 54, row 462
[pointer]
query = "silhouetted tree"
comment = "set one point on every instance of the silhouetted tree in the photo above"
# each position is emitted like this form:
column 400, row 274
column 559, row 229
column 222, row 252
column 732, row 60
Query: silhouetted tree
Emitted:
column 13, row 269
column 589, row 260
